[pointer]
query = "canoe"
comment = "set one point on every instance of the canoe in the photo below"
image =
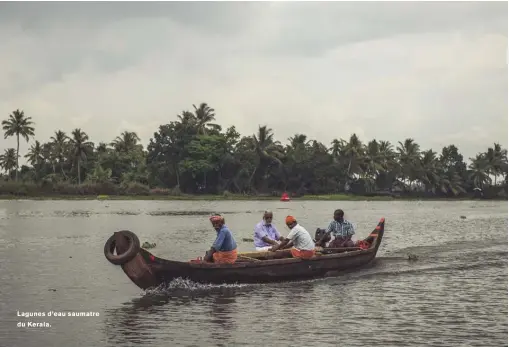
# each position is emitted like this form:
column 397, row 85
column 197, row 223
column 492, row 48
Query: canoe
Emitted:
column 146, row 270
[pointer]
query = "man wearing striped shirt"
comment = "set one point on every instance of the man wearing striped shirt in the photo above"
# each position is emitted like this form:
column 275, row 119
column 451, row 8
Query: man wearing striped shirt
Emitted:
column 341, row 229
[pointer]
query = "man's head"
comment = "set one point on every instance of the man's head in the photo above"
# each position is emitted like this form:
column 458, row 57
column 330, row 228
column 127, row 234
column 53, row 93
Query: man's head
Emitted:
column 217, row 221
column 338, row 215
column 267, row 217
column 290, row 221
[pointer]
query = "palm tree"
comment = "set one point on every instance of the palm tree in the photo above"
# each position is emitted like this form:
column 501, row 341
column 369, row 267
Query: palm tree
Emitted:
column 81, row 148
column 126, row 142
column 204, row 115
column 299, row 141
column 18, row 124
column 35, row 157
column 496, row 158
column 428, row 170
column 48, row 155
column 372, row 161
column 354, row 152
column 479, row 170
column 8, row 160
column 338, row 148
column 387, row 155
column 268, row 151
column 409, row 158
column 297, row 149
column 59, row 148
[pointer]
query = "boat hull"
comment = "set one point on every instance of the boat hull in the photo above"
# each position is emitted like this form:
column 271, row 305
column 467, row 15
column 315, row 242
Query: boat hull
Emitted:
column 147, row 270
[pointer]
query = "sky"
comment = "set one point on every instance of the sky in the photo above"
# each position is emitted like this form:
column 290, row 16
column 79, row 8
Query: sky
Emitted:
column 432, row 71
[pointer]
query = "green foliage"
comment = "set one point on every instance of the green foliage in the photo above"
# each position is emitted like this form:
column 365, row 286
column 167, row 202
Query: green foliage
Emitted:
column 194, row 155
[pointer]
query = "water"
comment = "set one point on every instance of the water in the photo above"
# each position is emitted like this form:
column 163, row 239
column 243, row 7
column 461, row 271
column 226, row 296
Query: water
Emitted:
column 454, row 294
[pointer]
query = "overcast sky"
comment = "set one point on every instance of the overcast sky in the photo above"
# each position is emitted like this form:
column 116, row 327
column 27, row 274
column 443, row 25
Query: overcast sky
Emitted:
column 432, row 71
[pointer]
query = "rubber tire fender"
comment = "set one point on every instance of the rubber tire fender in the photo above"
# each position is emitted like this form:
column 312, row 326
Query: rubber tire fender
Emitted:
column 121, row 259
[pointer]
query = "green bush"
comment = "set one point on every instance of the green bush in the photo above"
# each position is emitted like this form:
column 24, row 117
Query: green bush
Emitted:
column 134, row 188
column 175, row 191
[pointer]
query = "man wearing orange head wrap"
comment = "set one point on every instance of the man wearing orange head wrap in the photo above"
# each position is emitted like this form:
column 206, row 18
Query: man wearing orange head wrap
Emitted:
column 224, row 249
column 299, row 238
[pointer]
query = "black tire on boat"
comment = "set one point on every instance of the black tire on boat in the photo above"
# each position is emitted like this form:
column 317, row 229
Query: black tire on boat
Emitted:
column 120, row 259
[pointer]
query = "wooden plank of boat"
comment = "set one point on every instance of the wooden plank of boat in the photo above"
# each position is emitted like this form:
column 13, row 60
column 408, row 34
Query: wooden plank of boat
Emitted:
column 147, row 270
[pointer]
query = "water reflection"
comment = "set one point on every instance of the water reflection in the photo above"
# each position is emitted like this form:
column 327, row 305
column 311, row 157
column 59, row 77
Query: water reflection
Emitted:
column 222, row 310
column 139, row 320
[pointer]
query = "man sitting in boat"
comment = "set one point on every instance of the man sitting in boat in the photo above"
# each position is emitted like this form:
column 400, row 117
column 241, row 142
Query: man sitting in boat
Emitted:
column 224, row 249
column 299, row 239
column 341, row 229
column 265, row 233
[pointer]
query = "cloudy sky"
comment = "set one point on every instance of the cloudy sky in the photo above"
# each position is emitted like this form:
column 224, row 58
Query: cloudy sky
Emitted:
column 432, row 71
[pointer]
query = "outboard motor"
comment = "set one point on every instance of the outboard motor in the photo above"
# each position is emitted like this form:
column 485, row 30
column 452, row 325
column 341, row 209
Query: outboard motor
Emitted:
column 319, row 234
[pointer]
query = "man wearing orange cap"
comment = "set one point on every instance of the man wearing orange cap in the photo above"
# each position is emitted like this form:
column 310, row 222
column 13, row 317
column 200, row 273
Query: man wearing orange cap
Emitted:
column 224, row 249
column 300, row 239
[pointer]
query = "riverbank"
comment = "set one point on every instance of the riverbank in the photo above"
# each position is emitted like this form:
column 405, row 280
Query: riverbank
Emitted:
column 235, row 197
column 10, row 190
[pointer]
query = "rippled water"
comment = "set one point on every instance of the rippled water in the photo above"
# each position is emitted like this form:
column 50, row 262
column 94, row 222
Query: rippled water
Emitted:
column 454, row 294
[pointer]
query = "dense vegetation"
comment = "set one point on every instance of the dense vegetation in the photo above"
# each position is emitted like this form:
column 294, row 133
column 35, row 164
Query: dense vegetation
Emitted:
column 194, row 155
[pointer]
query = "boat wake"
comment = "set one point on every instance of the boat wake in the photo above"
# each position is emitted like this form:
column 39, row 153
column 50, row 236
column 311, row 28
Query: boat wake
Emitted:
column 181, row 286
column 444, row 258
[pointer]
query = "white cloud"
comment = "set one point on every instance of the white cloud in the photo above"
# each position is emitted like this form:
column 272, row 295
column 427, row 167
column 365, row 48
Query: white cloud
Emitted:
column 435, row 72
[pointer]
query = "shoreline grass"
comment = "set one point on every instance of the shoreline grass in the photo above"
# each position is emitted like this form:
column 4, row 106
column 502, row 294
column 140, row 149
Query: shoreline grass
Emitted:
column 238, row 197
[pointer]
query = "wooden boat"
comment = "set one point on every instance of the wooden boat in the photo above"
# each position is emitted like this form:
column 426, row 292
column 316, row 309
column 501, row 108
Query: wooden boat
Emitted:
column 147, row 270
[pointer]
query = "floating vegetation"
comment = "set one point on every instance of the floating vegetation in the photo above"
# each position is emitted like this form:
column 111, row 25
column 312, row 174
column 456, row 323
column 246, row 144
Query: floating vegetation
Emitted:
column 128, row 213
column 76, row 213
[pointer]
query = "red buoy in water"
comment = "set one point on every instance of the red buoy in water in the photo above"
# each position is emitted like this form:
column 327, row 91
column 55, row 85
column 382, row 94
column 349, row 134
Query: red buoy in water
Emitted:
column 285, row 197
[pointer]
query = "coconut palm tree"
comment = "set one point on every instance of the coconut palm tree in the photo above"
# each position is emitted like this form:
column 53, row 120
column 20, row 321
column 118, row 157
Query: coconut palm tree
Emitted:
column 8, row 160
column 409, row 159
column 387, row 155
column 35, row 157
column 371, row 164
column 126, row 142
column 496, row 158
column 81, row 148
column 18, row 124
column 298, row 147
column 269, row 152
column 338, row 148
column 60, row 147
column 428, row 170
column 204, row 116
column 480, row 167
column 354, row 152
column 299, row 141
column 48, row 155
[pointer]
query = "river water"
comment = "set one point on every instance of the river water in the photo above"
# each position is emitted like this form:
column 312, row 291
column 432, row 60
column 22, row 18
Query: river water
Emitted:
column 454, row 294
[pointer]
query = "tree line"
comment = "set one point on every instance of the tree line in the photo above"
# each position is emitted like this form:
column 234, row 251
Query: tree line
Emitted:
column 195, row 155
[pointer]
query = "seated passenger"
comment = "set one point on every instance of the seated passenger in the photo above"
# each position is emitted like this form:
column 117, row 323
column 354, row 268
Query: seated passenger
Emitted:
column 341, row 229
column 299, row 239
column 265, row 233
column 224, row 249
